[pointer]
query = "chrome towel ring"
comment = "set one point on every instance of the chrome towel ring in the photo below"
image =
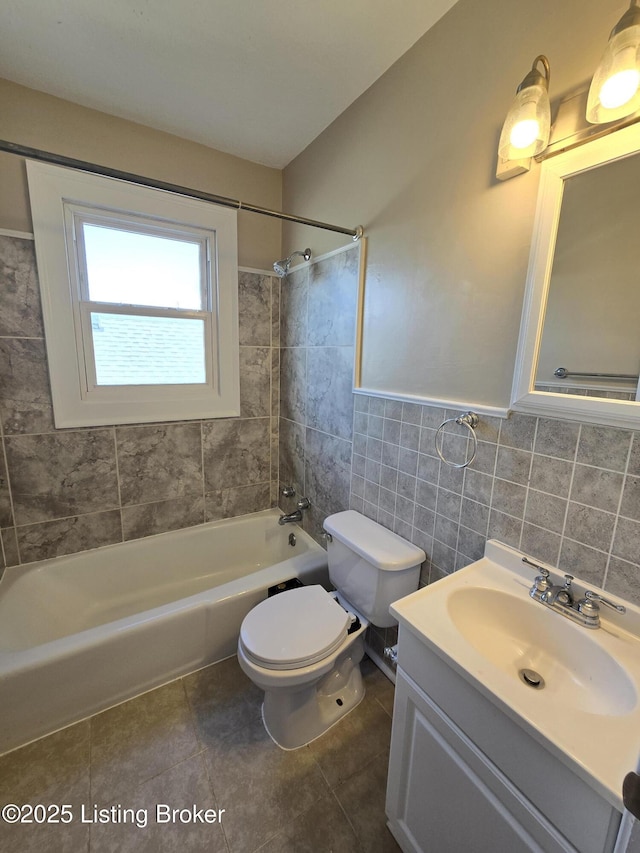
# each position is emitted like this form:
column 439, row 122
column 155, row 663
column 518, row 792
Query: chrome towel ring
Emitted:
column 470, row 421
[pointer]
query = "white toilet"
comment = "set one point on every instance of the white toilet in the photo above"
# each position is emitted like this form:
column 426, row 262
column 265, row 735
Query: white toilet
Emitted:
column 303, row 647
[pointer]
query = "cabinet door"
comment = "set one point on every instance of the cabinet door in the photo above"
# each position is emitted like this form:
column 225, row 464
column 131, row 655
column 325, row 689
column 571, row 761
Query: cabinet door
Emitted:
column 445, row 796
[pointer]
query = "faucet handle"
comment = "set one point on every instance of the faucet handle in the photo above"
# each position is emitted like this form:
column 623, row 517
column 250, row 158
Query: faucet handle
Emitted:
column 596, row 599
column 288, row 491
column 544, row 572
column 541, row 583
column 304, row 503
column 565, row 596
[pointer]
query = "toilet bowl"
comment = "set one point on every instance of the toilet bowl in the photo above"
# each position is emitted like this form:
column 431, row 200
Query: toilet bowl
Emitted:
column 298, row 649
column 303, row 647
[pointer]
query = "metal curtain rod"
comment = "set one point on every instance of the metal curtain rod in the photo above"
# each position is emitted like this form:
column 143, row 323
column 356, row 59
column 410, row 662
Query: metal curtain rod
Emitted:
column 562, row 372
column 82, row 165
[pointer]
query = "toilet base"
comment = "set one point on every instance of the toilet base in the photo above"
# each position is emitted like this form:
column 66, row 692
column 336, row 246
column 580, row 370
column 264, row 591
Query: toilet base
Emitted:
column 294, row 718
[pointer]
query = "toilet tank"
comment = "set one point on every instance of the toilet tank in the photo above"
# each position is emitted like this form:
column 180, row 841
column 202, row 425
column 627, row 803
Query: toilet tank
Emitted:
column 370, row 565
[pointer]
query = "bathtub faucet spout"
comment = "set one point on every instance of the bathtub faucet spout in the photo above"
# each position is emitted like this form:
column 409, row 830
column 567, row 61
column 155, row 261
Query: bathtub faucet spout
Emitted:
column 296, row 516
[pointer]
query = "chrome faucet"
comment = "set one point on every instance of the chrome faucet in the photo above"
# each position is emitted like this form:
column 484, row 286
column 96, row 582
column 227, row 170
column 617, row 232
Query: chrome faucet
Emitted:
column 585, row 612
column 559, row 595
column 296, row 515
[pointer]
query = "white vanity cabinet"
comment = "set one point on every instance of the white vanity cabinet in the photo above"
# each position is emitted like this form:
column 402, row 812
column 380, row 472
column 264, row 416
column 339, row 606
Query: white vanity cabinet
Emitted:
column 464, row 777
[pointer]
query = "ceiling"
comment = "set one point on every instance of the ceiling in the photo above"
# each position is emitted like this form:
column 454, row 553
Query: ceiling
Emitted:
column 256, row 78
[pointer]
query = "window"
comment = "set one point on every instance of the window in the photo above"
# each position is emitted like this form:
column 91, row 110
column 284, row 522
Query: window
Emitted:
column 139, row 295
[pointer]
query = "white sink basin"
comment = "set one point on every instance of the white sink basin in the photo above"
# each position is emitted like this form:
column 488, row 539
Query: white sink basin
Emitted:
column 581, row 694
column 516, row 633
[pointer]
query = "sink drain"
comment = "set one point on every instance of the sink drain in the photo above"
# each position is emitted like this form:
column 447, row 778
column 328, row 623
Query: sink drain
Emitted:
column 531, row 678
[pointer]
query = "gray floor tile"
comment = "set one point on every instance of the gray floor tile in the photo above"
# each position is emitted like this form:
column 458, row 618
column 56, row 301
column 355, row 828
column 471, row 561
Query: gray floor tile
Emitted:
column 146, row 752
column 363, row 797
column 139, row 739
column 348, row 746
column 378, row 685
column 53, row 770
column 321, row 829
column 222, row 700
column 262, row 787
column 181, row 787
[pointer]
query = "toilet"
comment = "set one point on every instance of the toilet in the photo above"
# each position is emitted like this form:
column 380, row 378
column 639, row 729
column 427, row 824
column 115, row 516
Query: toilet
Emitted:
column 303, row 647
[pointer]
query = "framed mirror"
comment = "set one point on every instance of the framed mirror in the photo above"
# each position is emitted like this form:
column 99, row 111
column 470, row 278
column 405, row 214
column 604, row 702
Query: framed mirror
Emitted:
column 579, row 348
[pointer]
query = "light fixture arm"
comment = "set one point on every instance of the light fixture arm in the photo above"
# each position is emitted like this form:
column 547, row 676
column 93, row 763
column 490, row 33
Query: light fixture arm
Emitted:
column 535, row 77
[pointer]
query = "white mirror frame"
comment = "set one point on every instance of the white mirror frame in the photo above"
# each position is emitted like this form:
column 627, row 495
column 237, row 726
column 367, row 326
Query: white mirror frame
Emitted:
column 554, row 171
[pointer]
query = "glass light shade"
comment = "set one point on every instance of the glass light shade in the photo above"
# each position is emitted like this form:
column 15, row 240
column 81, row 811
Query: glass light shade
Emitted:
column 615, row 87
column 525, row 132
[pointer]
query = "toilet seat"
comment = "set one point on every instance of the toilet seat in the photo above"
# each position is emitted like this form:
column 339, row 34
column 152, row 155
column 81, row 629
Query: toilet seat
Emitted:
column 294, row 629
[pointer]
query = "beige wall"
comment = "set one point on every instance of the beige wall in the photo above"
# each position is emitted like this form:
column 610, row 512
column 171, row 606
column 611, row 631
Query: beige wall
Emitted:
column 41, row 121
column 413, row 160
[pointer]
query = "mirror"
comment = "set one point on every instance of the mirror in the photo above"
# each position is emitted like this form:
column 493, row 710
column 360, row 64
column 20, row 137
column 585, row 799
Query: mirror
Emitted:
column 579, row 349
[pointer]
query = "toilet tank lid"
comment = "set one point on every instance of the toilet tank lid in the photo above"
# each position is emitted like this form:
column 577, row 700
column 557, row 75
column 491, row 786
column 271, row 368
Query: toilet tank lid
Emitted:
column 382, row 548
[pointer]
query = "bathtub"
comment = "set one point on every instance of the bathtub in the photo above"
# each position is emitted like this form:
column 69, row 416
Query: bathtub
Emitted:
column 81, row 633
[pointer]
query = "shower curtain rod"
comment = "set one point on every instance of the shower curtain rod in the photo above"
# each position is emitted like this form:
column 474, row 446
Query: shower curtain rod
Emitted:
column 93, row 168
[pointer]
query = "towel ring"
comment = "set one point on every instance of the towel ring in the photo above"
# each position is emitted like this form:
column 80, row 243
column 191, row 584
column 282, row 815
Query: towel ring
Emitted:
column 468, row 419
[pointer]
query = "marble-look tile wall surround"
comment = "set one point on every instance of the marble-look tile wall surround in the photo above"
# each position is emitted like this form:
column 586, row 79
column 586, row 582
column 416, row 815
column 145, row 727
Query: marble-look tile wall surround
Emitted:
column 63, row 491
column 318, row 307
column 567, row 493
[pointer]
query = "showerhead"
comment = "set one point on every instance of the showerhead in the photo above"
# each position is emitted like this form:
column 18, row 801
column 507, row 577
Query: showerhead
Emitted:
column 281, row 268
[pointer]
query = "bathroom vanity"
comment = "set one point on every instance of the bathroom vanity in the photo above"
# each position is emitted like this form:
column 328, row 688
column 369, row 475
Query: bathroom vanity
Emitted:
column 513, row 727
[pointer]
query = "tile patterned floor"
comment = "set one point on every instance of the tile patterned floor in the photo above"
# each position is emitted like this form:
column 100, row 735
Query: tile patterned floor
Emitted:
column 200, row 740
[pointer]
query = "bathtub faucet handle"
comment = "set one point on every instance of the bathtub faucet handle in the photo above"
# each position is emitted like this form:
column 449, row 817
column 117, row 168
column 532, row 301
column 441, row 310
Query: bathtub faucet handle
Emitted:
column 296, row 515
column 288, row 491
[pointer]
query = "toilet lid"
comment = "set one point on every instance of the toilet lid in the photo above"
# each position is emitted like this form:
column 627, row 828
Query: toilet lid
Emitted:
column 294, row 628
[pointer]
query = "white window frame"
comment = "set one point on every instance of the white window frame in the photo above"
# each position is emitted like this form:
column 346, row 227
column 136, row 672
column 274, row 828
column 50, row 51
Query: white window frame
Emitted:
column 75, row 217
column 61, row 201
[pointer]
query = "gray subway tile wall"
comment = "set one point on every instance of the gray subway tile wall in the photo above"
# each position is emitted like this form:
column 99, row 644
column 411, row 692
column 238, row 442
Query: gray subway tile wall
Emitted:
column 567, row 493
column 564, row 492
column 63, row 491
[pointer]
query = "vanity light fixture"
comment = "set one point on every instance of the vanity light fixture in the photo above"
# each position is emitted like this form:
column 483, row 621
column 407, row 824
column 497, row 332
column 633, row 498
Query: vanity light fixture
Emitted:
column 615, row 87
column 525, row 132
column 614, row 95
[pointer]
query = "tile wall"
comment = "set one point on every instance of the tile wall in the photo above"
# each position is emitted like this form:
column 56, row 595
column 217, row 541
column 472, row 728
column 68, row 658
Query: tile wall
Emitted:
column 318, row 320
column 68, row 490
column 567, row 493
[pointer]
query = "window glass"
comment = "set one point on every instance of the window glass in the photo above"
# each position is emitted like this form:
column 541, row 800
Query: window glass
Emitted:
column 138, row 350
column 139, row 298
column 133, row 268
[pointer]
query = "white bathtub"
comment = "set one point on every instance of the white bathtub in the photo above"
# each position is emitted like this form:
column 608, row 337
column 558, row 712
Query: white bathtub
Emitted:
column 81, row 633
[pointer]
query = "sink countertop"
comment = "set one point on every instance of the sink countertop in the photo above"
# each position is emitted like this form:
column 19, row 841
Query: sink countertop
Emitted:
column 588, row 713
